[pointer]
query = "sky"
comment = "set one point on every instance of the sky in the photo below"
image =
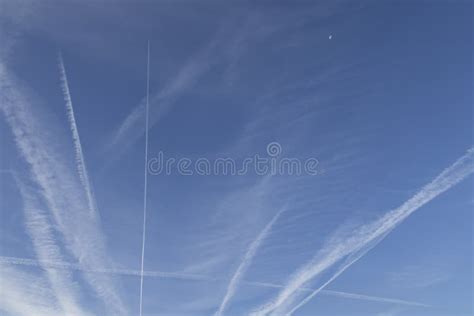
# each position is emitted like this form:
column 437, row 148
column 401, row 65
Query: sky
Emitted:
column 236, row 158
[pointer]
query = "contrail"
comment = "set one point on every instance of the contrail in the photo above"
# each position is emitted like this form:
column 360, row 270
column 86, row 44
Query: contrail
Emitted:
column 80, row 161
column 46, row 264
column 367, row 236
column 351, row 260
column 246, row 262
column 39, row 229
column 60, row 190
column 145, row 175
column 61, row 265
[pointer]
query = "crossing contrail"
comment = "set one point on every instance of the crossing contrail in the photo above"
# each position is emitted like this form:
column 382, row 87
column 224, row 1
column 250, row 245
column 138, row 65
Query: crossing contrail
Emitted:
column 79, row 155
column 246, row 262
column 365, row 238
column 145, row 175
column 60, row 265
column 46, row 264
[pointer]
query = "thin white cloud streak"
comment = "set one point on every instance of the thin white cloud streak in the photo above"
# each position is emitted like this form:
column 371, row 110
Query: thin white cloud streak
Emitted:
column 365, row 238
column 80, row 161
column 245, row 264
column 26, row 294
column 145, row 177
column 39, row 229
column 60, row 188
column 197, row 277
column 48, row 264
column 373, row 298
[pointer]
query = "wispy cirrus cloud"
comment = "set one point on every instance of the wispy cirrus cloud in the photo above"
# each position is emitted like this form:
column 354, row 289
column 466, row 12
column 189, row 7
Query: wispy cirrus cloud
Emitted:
column 353, row 246
column 224, row 48
column 420, row 276
column 24, row 293
column 391, row 312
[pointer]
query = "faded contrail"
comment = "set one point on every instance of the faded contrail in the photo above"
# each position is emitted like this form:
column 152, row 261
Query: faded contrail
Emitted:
column 145, row 175
column 131, row 129
column 39, row 229
column 197, row 277
column 80, row 161
column 25, row 294
column 367, row 236
column 246, row 261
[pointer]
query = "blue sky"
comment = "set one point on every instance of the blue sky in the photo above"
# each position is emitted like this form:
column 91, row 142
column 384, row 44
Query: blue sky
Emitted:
column 377, row 93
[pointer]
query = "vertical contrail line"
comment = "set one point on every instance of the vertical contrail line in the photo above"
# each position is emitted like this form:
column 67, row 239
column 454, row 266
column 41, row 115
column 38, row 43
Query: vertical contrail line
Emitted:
column 145, row 175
